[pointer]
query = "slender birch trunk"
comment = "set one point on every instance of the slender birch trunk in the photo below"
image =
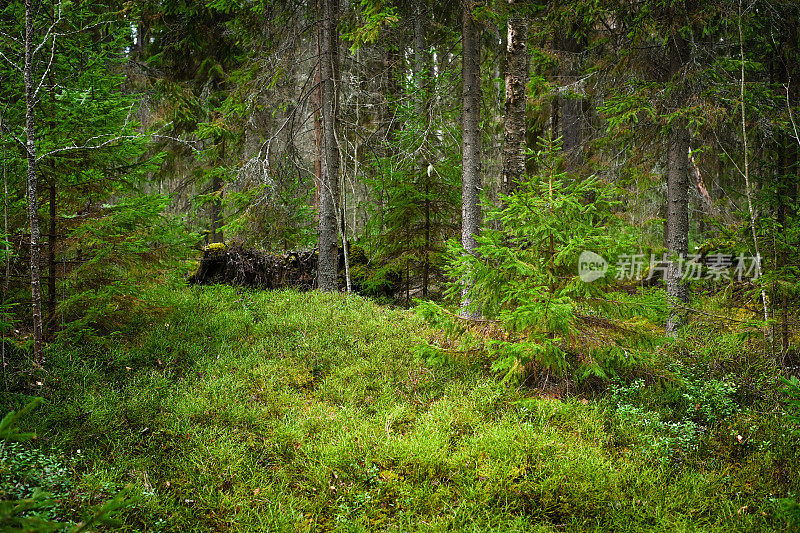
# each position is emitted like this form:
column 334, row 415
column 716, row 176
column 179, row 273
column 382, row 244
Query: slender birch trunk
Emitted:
column 746, row 172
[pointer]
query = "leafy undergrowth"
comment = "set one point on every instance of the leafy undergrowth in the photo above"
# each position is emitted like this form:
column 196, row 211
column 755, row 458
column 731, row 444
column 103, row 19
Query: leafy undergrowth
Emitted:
column 285, row 411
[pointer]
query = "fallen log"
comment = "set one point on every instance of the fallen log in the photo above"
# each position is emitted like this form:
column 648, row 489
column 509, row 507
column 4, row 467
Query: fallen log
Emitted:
column 234, row 265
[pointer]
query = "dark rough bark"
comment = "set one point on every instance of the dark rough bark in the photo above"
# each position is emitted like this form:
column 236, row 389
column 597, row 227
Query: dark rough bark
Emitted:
column 216, row 205
column 317, row 102
column 555, row 114
column 216, row 211
column 571, row 107
column 471, row 114
column 788, row 194
column 421, row 56
column 394, row 69
column 32, row 186
column 329, row 196
column 677, row 224
column 422, row 62
column 786, row 191
column 51, row 263
column 426, row 262
column 514, row 124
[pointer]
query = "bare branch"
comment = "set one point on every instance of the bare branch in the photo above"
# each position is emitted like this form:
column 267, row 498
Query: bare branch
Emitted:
column 47, row 69
column 791, row 116
column 87, row 146
column 14, row 65
column 48, row 32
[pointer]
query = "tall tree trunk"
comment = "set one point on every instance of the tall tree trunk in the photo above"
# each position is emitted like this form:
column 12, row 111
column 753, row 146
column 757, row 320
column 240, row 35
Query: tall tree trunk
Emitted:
column 787, row 190
column 571, row 107
column 7, row 254
column 471, row 156
column 516, row 82
column 677, row 225
column 793, row 179
column 790, row 76
column 51, row 262
column 555, row 105
column 426, row 264
column 216, row 204
column 422, row 62
column 32, row 186
column 746, row 171
column 317, row 106
column 421, row 58
column 781, row 257
column 328, row 260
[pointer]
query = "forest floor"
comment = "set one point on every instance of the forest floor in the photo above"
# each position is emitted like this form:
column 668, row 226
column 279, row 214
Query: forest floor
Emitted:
column 284, row 411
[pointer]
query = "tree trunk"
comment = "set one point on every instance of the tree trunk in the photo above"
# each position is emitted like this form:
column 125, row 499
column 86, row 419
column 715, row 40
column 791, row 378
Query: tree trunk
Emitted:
column 216, row 204
column 789, row 193
column 32, row 186
column 746, row 172
column 7, row 255
column 328, row 262
column 317, row 103
column 571, row 107
column 421, row 59
column 51, row 263
column 426, row 264
column 555, row 105
column 471, row 156
column 677, row 225
column 791, row 171
column 422, row 62
column 516, row 83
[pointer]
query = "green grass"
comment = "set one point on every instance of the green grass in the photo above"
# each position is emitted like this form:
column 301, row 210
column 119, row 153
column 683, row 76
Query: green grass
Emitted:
column 284, row 411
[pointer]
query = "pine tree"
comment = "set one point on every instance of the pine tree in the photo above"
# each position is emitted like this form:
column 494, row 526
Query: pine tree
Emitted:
column 471, row 140
column 515, row 101
column 328, row 259
column 89, row 151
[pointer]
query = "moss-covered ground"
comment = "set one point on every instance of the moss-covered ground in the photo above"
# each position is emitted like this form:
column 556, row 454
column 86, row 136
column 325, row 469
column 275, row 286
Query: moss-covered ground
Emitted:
column 233, row 410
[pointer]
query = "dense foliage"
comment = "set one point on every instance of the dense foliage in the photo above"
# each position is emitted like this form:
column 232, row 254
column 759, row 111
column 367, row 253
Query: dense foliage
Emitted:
column 592, row 207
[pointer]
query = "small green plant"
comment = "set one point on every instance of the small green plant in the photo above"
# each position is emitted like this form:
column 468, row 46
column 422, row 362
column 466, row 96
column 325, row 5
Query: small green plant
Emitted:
column 24, row 471
column 32, row 484
column 710, row 400
column 656, row 436
column 670, row 419
column 128, row 246
column 20, row 503
column 524, row 275
column 791, row 387
column 789, row 507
